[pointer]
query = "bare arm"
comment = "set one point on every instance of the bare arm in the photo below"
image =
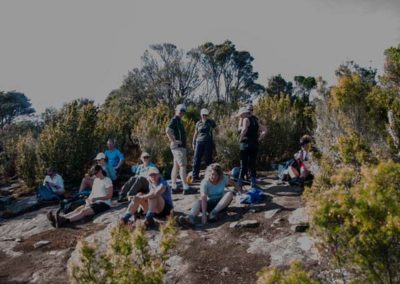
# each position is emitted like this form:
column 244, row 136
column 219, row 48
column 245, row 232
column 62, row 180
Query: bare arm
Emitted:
column 262, row 130
column 194, row 138
column 154, row 193
column 243, row 129
column 171, row 136
column 231, row 182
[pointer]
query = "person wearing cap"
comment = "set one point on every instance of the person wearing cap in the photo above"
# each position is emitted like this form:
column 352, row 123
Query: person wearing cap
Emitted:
column 54, row 181
column 98, row 201
column 138, row 182
column 299, row 168
column 203, row 142
column 177, row 136
column 157, row 203
column 110, row 171
column 114, row 156
column 250, row 132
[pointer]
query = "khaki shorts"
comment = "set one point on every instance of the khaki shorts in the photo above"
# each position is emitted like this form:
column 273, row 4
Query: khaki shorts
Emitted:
column 180, row 156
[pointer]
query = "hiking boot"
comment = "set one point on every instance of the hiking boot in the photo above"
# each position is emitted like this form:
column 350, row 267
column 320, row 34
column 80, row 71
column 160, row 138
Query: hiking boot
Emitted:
column 176, row 190
column 186, row 221
column 149, row 224
column 196, row 179
column 190, row 190
column 60, row 220
column 51, row 218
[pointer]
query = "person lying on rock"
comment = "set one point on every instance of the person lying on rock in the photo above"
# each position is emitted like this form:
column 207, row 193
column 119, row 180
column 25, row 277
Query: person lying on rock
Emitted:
column 137, row 183
column 213, row 199
column 98, row 201
column 157, row 203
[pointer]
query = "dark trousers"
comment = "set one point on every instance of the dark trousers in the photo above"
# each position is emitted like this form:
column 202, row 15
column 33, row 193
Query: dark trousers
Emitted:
column 202, row 149
column 248, row 158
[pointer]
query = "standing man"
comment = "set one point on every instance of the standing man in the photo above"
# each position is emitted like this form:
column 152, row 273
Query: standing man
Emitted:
column 251, row 131
column 203, row 143
column 177, row 137
column 114, row 156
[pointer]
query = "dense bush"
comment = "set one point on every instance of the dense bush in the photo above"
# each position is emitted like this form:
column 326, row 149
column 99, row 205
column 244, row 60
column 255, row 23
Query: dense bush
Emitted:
column 27, row 159
column 128, row 260
column 359, row 221
column 294, row 275
column 68, row 142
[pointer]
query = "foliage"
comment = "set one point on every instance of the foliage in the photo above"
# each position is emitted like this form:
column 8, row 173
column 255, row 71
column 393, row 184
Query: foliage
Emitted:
column 359, row 221
column 69, row 141
column 295, row 275
column 128, row 259
column 278, row 86
column 27, row 160
column 13, row 104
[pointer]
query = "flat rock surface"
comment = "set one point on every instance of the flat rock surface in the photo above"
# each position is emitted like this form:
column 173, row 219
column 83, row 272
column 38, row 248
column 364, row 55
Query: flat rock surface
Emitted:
column 211, row 253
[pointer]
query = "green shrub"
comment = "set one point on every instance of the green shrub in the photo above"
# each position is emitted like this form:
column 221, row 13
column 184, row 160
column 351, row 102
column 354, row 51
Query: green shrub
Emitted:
column 68, row 142
column 294, row 275
column 128, row 259
column 358, row 221
column 27, row 160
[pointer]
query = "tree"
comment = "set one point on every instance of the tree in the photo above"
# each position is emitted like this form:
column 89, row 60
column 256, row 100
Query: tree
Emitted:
column 277, row 86
column 304, row 86
column 391, row 78
column 13, row 104
column 228, row 72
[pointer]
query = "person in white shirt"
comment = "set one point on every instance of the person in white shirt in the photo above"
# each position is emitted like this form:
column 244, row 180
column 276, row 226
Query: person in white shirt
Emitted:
column 54, row 181
column 98, row 201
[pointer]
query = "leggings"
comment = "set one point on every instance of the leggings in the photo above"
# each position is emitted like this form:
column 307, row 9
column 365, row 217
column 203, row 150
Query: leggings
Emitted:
column 248, row 157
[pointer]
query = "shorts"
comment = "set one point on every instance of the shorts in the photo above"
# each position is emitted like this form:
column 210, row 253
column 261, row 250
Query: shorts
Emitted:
column 180, row 156
column 99, row 207
column 165, row 212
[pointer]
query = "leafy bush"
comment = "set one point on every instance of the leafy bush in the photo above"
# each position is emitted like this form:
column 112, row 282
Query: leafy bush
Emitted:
column 359, row 221
column 128, row 259
column 295, row 275
column 27, row 160
column 68, row 142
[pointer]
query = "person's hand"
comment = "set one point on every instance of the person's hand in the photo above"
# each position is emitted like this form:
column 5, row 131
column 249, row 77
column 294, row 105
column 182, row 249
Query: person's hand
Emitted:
column 194, row 146
column 178, row 142
column 204, row 219
column 89, row 201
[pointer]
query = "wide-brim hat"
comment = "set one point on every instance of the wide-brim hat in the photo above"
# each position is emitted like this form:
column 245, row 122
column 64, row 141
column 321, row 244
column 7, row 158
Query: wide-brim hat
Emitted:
column 100, row 156
column 242, row 110
column 153, row 171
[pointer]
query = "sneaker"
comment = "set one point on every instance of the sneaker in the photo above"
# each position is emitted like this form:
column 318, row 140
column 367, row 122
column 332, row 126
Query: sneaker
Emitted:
column 176, row 190
column 51, row 218
column 189, row 191
column 196, row 179
column 186, row 221
column 212, row 218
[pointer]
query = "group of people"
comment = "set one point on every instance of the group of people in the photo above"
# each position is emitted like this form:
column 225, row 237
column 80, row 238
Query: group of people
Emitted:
column 149, row 192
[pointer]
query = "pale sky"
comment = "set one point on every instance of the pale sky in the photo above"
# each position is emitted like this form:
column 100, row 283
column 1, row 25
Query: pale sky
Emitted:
column 56, row 51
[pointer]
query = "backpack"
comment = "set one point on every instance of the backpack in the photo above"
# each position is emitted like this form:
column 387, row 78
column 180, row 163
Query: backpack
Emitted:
column 46, row 194
column 69, row 205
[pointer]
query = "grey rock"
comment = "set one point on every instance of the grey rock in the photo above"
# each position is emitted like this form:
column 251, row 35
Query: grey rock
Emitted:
column 5, row 201
column 246, row 224
column 271, row 213
column 298, row 216
column 41, row 244
column 278, row 222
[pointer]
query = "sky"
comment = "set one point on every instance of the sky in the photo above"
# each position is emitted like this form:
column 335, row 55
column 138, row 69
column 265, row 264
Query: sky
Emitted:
column 56, row 51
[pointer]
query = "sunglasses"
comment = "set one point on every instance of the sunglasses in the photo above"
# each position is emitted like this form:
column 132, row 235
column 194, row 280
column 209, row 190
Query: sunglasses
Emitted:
column 146, row 157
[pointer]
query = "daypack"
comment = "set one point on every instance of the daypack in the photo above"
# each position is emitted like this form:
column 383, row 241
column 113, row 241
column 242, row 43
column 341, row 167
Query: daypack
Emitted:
column 46, row 194
column 69, row 205
column 254, row 195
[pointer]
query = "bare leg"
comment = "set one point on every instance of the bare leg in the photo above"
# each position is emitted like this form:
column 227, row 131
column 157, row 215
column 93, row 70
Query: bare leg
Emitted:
column 223, row 203
column 75, row 212
column 156, row 205
column 87, row 211
column 195, row 208
column 182, row 173
column 174, row 174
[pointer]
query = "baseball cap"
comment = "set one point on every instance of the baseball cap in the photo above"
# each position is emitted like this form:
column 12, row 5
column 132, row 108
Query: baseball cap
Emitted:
column 100, row 156
column 153, row 170
column 204, row 111
column 144, row 154
column 181, row 108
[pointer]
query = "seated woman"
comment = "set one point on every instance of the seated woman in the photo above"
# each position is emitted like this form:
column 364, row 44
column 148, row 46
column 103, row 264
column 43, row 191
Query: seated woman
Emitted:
column 98, row 201
column 213, row 200
column 110, row 171
column 54, row 181
column 87, row 181
column 138, row 182
column 299, row 169
column 157, row 203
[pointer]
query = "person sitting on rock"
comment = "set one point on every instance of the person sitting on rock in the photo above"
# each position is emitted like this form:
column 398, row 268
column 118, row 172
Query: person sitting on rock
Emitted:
column 157, row 203
column 54, row 181
column 299, row 169
column 110, row 171
column 213, row 200
column 138, row 182
column 114, row 156
column 98, row 201
column 87, row 181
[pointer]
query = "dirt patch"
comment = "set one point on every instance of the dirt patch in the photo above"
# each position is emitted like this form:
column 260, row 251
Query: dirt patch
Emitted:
column 48, row 260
